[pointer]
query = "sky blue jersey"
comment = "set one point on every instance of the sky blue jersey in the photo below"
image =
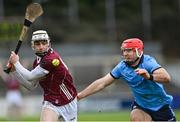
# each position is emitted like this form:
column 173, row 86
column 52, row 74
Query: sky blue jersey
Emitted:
column 148, row 94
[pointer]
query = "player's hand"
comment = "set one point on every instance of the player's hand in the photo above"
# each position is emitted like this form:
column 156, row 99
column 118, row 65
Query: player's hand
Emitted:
column 78, row 96
column 144, row 73
column 13, row 58
column 10, row 65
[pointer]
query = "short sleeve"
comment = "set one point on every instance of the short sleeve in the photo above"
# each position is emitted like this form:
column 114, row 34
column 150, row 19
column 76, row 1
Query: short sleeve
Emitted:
column 116, row 71
column 151, row 65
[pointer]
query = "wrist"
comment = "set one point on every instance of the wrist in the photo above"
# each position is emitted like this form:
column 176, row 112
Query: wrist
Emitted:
column 151, row 77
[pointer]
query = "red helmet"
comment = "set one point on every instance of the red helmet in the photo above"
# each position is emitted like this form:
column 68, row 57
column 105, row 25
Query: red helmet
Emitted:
column 133, row 43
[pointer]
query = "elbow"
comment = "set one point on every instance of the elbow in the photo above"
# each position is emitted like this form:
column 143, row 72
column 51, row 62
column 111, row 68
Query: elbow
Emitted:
column 29, row 88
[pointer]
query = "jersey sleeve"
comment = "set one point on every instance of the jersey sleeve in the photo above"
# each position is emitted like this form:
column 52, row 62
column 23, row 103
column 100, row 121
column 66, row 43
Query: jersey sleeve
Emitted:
column 151, row 65
column 116, row 71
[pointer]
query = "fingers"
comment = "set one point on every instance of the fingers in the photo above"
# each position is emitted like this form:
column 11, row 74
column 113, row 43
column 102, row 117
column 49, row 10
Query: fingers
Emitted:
column 12, row 53
column 8, row 65
column 13, row 58
column 140, row 71
column 11, row 66
column 143, row 72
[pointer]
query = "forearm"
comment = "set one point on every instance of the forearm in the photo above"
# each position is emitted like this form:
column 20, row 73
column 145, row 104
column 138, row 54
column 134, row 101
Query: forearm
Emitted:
column 30, row 85
column 96, row 86
column 91, row 89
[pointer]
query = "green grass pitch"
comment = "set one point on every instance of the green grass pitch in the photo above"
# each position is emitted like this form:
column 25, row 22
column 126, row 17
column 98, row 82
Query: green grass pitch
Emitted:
column 96, row 116
column 111, row 116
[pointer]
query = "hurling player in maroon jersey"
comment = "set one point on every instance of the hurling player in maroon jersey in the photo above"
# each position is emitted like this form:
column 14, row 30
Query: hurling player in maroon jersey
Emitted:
column 52, row 74
column 14, row 98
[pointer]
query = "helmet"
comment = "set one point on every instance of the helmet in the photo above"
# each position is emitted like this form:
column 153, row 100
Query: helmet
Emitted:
column 40, row 35
column 134, row 43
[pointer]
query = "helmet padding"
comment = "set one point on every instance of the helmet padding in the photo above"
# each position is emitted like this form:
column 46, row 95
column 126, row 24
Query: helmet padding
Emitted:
column 40, row 35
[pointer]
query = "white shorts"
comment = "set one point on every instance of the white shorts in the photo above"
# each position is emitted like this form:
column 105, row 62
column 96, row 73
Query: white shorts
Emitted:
column 14, row 98
column 67, row 113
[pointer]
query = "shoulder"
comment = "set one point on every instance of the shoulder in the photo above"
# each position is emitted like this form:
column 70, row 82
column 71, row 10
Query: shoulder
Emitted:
column 150, row 63
column 51, row 55
column 121, row 65
column 52, row 59
column 148, row 59
column 118, row 69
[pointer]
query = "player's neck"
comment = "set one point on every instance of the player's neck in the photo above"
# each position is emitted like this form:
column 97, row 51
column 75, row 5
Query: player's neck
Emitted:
column 136, row 63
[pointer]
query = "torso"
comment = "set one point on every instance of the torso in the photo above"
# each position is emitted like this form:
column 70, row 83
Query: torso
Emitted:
column 12, row 84
column 148, row 94
column 58, row 83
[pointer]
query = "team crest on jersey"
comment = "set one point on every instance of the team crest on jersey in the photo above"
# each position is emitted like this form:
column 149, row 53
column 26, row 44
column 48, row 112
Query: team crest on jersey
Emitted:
column 55, row 62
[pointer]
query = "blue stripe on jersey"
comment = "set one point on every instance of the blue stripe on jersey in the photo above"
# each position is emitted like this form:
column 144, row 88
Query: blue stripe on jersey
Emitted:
column 148, row 94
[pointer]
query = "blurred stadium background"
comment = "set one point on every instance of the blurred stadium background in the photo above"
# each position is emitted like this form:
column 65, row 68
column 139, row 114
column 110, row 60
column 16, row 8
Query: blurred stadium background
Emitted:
column 88, row 34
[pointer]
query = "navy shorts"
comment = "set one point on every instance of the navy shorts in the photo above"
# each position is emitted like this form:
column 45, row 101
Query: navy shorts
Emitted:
column 163, row 114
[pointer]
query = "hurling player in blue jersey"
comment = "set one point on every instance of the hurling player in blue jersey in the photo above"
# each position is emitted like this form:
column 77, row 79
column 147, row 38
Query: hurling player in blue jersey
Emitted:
column 144, row 76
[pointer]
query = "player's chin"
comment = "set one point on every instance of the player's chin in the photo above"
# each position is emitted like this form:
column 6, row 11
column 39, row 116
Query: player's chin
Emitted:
column 128, row 60
column 40, row 51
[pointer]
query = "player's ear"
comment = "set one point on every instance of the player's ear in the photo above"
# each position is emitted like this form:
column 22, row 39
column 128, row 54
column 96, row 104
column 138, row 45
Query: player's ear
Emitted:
column 32, row 46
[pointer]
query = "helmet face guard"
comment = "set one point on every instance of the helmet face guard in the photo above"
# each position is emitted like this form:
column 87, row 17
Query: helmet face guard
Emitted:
column 136, row 45
column 40, row 35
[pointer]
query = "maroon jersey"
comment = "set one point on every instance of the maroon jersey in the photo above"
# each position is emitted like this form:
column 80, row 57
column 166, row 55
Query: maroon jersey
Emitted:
column 12, row 83
column 57, row 84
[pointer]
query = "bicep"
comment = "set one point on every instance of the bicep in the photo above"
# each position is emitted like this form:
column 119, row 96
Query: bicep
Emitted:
column 38, row 72
column 160, row 71
column 34, row 74
column 161, row 75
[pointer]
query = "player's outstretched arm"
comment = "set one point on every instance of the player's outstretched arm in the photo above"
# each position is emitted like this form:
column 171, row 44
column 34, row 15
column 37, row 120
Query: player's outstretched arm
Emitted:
column 96, row 86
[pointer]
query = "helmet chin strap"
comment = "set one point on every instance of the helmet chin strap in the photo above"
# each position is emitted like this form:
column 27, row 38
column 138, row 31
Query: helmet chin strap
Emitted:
column 132, row 62
column 42, row 54
column 138, row 56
